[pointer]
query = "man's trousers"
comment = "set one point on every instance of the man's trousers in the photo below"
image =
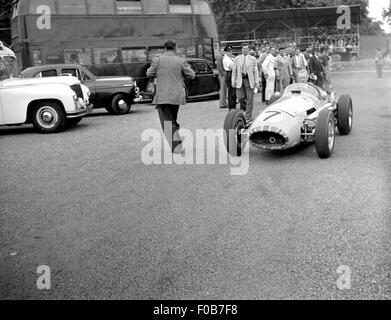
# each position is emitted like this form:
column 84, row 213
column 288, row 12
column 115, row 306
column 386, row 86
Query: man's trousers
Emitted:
column 246, row 98
column 223, row 91
column 168, row 115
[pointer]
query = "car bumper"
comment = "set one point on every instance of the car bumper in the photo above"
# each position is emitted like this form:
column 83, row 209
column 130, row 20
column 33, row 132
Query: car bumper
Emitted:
column 80, row 112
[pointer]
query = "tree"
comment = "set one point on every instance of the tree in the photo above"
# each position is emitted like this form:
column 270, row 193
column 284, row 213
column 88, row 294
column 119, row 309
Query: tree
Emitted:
column 387, row 13
column 5, row 21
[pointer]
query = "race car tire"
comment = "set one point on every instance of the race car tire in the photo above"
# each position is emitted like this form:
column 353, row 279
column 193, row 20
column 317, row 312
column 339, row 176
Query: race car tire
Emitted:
column 48, row 117
column 234, row 122
column 70, row 123
column 325, row 134
column 274, row 98
column 120, row 104
column 345, row 114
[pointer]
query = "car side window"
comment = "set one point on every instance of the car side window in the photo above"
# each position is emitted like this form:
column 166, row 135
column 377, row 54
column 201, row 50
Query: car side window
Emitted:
column 201, row 68
column 84, row 77
column 73, row 72
column 49, row 73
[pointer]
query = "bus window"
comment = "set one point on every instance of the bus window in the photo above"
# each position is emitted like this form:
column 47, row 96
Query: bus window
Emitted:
column 34, row 4
column 71, row 7
column 154, row 52
column 134, row 55
column 155, row 6
column 37, row 60
column 100, row 7
column 80, row 56
column 179, row 6
column 49, row 73
column 201, row 7
column 128, row 7
column 106, row 55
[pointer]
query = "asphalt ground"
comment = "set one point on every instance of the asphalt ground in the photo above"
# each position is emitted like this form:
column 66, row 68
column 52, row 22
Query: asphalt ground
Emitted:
column 110, row 227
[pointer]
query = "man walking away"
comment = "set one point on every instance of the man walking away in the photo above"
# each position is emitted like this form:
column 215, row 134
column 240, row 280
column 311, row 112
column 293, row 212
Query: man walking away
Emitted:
column 170, row 71
column 228, row 64
column 245, row 78
column 223, row 85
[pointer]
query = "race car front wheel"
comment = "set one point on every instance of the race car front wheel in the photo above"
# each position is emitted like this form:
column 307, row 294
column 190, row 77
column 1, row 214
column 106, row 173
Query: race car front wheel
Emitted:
column 345, row 114
column 233, row 125
column 325, row 134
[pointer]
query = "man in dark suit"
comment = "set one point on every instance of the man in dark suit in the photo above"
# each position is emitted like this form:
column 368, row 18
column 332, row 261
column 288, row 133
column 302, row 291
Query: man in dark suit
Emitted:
column 170, row 70
column 316, row 68
column 223, row 85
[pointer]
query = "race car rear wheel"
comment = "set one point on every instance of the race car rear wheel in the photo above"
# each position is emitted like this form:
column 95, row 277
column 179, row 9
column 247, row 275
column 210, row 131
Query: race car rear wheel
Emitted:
column 325, row 134
column 345, row 114
column 233, row 124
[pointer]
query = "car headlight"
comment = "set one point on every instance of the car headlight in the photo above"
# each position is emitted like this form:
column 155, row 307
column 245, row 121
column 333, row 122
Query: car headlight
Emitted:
column 82, row 103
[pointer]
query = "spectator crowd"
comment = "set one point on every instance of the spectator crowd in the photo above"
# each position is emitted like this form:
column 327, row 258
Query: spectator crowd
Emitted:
column 277, row 67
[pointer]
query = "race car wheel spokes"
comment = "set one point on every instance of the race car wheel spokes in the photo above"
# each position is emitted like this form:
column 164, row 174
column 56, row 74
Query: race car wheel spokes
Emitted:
column 233, row 125
column 48, row 117
column 345, row 114
column 325, row 134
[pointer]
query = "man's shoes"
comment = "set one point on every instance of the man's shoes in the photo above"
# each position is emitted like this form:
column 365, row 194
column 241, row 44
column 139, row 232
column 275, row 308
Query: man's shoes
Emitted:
column 223, row 107
column 178, row 149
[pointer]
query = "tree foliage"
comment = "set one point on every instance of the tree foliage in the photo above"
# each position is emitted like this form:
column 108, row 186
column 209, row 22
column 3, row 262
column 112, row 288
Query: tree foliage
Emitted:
column 5, row 17
column 228, row 20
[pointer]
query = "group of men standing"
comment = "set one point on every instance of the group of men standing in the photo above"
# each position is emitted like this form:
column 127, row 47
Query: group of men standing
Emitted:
column 273, row 71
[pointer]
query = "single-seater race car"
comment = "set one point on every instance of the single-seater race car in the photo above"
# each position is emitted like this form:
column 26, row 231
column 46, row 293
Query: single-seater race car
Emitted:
column 305, row 113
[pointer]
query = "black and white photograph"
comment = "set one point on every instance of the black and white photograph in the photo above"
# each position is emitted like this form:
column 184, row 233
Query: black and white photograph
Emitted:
column 195, row 150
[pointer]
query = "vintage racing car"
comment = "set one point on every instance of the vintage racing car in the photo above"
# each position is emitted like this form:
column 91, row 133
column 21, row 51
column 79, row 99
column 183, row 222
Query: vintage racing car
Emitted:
column 305, row 113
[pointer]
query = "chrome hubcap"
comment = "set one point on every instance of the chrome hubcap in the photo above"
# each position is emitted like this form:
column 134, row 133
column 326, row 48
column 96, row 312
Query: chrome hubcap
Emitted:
column 47, row 117
column 122, row 104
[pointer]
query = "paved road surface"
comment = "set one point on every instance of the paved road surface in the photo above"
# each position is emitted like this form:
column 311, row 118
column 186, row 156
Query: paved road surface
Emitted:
column 83, row 203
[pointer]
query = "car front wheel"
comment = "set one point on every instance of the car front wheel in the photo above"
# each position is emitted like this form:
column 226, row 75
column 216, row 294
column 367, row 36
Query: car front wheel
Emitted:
column 120, row 104
column 48, row 117
column 325, row 134
column 233, row 125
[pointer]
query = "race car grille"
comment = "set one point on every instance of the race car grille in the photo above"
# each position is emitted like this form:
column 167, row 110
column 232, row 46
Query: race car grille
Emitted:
column 268, row 139
column 78, row 90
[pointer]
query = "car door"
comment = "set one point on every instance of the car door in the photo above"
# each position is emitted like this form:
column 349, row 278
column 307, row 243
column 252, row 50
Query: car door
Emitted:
column 205, row 81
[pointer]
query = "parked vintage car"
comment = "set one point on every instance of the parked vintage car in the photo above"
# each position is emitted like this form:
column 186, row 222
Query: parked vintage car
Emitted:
column 115, row 94
column 50, row 104
column 205, row 85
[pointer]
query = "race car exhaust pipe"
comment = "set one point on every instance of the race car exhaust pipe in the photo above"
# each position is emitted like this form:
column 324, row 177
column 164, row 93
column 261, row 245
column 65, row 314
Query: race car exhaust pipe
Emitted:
column 267, row 139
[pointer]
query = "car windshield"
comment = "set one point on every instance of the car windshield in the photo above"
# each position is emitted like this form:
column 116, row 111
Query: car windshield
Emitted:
column 8, row 68
column 302, row 87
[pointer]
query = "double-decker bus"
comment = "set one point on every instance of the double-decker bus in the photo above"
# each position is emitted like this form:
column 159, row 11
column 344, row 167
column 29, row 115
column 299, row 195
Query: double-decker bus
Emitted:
column 111, row 37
